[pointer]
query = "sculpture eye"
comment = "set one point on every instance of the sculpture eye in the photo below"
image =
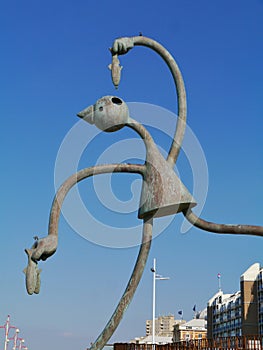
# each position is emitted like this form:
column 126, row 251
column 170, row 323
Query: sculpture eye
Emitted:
column 101, row 108
column 116, row 100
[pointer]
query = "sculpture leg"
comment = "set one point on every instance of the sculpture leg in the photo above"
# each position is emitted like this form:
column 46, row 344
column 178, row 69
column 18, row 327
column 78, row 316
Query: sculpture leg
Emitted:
column 222, row 228
column 130, row 289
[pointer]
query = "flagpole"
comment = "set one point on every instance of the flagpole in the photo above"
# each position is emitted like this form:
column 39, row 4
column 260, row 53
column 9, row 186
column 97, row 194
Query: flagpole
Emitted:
column 194, row 310
column 181, row 314
column 219, row 282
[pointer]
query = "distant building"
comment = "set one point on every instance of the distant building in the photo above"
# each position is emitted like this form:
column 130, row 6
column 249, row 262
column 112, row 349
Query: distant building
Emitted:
column 240, row 313
column 160, row 340
column 224, row 315
column 192, row 330
column 163, row 326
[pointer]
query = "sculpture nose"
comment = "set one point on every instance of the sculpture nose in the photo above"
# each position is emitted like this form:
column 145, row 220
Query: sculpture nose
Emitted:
column 87, row 114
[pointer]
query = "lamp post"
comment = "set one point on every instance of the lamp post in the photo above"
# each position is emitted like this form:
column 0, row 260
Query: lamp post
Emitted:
column 7, row 327
column 21, row 343
column 155, row 277
column 15, row 339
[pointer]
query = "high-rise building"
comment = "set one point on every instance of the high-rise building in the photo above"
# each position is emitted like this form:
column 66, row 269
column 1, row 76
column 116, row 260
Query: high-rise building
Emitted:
column 240, row 313
column 224, row 315
column 163, row 326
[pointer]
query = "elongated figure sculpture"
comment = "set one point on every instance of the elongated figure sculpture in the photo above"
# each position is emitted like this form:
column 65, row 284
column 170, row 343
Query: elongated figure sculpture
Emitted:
column 163, row 193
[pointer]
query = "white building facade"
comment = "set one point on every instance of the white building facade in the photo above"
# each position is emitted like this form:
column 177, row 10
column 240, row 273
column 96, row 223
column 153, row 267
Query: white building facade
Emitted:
column 240, row 313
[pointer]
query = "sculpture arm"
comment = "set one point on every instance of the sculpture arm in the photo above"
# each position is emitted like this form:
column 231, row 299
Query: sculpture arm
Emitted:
column 45, row 247
column 135, row 278
column 144, row 249
column 122, row 45
column 222, row 228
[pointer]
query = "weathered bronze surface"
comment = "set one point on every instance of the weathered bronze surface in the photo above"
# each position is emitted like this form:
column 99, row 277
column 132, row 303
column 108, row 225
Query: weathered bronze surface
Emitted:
column 32, row 274
column 115, row 70
column 109, row 113
column 162, row 192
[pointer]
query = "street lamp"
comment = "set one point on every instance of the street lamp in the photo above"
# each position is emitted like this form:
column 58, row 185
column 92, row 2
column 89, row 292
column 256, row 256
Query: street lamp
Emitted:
column 155, row 277
column 21, row 342
column 15, row 338
column 7, row 328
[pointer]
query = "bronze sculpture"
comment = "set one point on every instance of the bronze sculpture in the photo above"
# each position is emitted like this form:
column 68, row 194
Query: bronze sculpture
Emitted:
column 162, row 192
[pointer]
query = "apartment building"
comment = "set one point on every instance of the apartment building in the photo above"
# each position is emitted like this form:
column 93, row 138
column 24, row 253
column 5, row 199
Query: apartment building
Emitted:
column 163, row 326
column 240, row 313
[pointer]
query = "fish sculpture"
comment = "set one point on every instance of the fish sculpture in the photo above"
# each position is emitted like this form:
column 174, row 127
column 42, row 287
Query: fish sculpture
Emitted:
column 115, row 70
column 32, row 274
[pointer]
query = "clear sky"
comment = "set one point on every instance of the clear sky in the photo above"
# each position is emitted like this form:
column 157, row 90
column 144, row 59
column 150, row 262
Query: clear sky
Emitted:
column 54, row 57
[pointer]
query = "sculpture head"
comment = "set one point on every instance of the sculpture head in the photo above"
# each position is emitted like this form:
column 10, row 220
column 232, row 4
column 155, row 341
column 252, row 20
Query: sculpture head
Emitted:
column 109, row 113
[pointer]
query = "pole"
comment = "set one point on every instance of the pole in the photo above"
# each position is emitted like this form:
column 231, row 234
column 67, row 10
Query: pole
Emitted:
column 6, row 332
column 15, row 339
column 155, row 277
column 7, row 328
column 22, row 340
column 219, row 281
column 153, row 321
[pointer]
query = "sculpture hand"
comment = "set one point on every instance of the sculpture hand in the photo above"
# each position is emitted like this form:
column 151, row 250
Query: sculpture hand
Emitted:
column 44, row 248
column 122, row 45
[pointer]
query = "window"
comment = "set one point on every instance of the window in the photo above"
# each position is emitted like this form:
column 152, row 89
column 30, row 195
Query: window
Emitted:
column 187, row 337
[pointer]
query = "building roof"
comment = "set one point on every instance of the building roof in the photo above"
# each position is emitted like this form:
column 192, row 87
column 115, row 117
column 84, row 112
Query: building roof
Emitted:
column 225, row 298
column 195, row 323
column 148, row 340
column 202, row 314
column 251, row 273
column 218, row 294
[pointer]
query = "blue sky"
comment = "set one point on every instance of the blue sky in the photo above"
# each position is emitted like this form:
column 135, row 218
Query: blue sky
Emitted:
column 54, row 58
